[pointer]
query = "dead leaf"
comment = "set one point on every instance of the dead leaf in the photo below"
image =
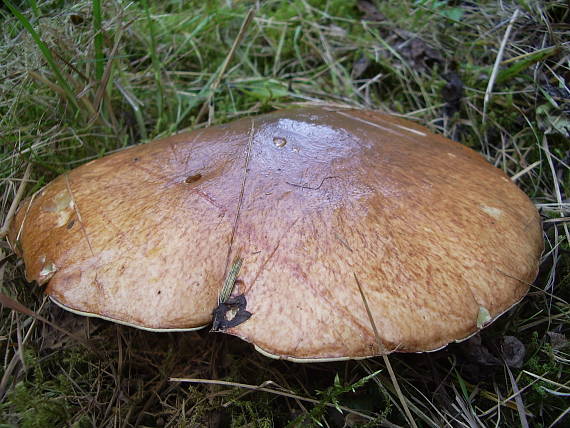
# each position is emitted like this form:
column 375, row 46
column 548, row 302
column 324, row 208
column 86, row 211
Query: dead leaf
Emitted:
column 351, row 420
column 419, row 54
column 76, row 19
column 452, row 93
column 514, row 352
column 360, row 66
column 557, row 340
column 370, row 11
column 476, row 352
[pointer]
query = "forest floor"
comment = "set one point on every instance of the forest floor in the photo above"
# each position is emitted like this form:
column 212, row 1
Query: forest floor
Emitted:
column 80, row 79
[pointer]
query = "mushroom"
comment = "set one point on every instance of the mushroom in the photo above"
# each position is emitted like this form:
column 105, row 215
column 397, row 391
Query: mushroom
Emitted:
column 300, row 213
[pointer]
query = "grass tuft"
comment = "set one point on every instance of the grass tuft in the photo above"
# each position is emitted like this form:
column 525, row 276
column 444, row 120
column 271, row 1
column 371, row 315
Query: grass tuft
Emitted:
column 46, row 52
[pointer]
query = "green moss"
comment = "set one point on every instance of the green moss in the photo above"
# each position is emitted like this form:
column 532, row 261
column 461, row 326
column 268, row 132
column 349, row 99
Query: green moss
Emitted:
column 38, row 407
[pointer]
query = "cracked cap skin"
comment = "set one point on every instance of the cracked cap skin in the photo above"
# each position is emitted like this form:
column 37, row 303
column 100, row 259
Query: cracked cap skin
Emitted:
column 313, row 201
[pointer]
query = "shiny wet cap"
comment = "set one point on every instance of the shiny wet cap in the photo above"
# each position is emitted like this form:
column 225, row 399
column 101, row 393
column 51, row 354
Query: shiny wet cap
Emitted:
column 312, row 203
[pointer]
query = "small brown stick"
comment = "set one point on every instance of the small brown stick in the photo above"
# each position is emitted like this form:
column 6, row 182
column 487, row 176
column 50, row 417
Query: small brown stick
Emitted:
column 15, row 202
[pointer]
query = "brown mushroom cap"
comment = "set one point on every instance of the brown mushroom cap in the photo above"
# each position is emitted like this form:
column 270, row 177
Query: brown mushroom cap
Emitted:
column 312, row 200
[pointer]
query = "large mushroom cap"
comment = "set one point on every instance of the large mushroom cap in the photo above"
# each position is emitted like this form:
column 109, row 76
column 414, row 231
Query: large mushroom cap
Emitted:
column 315, row 202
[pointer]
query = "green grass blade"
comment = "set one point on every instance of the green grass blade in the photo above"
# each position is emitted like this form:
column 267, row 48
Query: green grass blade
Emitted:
column 45, row 52
column 35, row 8
column 522, row 65
column 155, row 65
column 230, row 280
column 98, row 40
column 136, row 105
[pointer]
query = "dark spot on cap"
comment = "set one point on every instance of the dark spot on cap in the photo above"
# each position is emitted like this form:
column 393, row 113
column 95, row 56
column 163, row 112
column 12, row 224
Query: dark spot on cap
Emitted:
column 135, row 159
column 158, row 292
column 193, row 178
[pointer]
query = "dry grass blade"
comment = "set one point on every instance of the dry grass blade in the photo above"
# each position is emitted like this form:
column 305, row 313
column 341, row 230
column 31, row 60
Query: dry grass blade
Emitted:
column 9, row 303
column 557, row 190
column 48, row 83
column 525, row 170
column 241, row 195
column 546, row 380
column 557, row 220
column 106, row 74
column 497, row 65
column 560, row 417
column 518, row 400
column 16, row 202
column 136, row 105
column 8, row 370
column 18, row 357
column 388, row 385
column 45, row 51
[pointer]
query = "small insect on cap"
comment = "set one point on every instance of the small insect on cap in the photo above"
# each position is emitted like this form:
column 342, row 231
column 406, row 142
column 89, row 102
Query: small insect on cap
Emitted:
column 281, row 227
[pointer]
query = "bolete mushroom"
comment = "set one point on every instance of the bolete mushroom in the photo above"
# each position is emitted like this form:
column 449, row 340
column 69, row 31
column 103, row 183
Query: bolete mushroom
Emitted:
column 294, row 211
